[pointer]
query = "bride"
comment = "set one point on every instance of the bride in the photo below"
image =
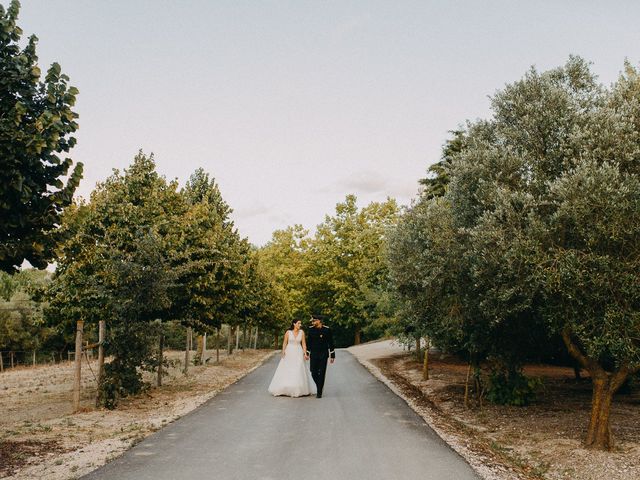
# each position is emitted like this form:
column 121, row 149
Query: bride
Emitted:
column 292, row 377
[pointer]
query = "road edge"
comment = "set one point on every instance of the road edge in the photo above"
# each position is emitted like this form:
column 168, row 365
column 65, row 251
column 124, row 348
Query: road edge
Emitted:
column 485, row 472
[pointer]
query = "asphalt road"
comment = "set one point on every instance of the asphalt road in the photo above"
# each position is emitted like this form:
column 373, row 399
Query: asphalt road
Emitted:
column 359, row 429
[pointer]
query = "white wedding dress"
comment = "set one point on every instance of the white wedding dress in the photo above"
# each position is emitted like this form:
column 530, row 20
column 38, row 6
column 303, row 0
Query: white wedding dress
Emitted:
column 292, row 377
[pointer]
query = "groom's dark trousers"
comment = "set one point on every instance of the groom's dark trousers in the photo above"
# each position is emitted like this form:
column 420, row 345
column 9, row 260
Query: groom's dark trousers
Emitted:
column 318, row 365
column 320, row 347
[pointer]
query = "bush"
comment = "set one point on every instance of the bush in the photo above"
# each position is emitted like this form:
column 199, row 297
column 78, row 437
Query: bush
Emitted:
column 512, row 388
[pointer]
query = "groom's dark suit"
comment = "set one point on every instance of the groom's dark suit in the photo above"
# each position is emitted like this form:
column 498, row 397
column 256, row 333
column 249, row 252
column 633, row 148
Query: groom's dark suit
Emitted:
column 320, row 347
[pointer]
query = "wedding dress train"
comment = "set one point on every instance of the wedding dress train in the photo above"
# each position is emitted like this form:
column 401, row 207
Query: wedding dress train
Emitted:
column 292, row 377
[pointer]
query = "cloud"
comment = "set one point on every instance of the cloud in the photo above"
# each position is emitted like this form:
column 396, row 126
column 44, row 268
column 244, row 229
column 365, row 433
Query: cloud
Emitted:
column 365, row 182
column 372, row 183
column 250, row 211
column 280, row 218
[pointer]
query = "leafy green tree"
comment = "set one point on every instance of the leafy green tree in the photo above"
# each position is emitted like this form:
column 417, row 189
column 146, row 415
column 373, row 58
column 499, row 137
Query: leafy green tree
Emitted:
column 347, row 269
column 36, row 127
column 437, row 179
column 496, row 183
column 259, row 302
column 591, row 259
column 424, row 260
column 543, row 208
column 20, row 324
column 284, row 259
column 564, row 159
column 209, row 257
column 138, row 283
column 116, row 266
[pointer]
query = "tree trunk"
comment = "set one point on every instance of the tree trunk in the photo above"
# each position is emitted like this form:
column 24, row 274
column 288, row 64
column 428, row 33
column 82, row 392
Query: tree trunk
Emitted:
column 160, row 358
column 78, row 366
column 605, row 385
column 199, row 349
column 466, row 387
column 357, row 335
column 244, row 337
column 229, row 344
column 1, row 363
column 101, row 337
column 276, row 343
column 187, row 351
column 418, row 349
column 477, row 382
column 255, row 343
column 425, row 363
column 237, row 337
column 12, row 356
column 33, row 359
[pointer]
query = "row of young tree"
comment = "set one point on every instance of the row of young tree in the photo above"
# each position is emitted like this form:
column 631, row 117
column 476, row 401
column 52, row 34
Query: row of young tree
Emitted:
column 339, row 272
column 526, row 236
column 143, row 251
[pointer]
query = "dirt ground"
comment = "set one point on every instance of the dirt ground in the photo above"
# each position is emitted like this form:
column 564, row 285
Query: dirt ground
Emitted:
column 40, row 438
column 540, row 441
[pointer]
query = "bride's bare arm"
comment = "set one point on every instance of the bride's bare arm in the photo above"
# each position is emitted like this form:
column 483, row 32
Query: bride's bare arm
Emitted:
column 285, row 341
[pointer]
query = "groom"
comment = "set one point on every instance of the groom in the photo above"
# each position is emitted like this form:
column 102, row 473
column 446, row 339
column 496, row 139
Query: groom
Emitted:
column 319, row 347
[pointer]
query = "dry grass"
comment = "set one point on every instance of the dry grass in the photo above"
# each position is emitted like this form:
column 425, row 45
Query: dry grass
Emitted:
column 40, row 438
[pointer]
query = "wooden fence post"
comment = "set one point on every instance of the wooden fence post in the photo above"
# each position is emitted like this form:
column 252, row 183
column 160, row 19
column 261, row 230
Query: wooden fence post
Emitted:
column 102, row 326
column 160, row 359
column 102, row 333
column 187, row 351
column 218, row 344
column 204, row 348
column 78, row 366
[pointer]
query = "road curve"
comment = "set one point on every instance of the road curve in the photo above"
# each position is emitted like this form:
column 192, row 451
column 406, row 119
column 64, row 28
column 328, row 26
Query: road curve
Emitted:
column 358, row 430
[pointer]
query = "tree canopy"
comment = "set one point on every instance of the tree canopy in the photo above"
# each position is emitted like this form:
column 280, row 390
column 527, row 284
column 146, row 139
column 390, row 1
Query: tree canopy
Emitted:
column 535, row 235
column 37, row 123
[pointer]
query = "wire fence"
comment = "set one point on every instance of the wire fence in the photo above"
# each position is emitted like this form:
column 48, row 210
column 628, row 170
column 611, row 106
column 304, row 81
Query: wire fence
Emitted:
column 31, row 358
column 229, row 338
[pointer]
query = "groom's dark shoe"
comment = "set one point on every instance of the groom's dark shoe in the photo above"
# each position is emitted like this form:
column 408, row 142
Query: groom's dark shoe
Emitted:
column 319, row 395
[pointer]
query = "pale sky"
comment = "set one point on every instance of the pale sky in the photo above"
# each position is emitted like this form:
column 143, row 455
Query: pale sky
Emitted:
column 291, row 105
